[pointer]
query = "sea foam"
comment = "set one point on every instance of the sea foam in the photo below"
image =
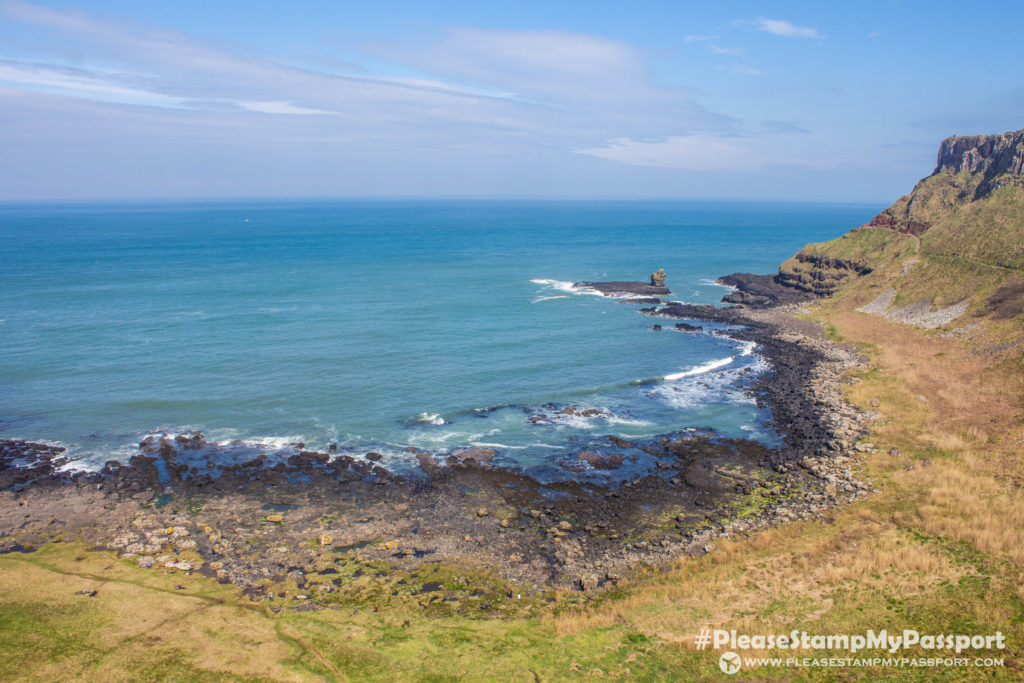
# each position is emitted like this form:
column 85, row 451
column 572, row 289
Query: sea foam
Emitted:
column 701, row 369
column 563, row 286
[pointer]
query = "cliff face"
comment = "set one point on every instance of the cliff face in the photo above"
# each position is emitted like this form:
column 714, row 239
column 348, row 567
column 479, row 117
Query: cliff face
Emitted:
column 967, row 169
column 954, row 244
column 992, row 155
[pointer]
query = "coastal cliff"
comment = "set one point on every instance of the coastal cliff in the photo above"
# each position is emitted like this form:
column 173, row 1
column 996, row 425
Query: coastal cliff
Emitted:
column 952, row 247
column 967, row 170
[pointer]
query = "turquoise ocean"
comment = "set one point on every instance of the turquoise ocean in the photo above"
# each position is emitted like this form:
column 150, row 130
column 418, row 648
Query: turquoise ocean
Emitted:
column 376, row 325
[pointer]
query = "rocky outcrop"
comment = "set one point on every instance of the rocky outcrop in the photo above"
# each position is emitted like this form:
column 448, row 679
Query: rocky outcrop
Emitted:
column 760, row 290
column 658, row 278
column 967, row 169
column 819, row 275
column 907, row 225
column 968, row 211
column 991, row 155
column 620, row 288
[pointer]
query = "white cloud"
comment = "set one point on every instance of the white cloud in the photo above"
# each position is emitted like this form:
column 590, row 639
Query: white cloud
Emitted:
column 280, row 108
column 692, row 152
column 732, row 51
column 779, row 27
column 576, row 85
column 528, row 63
column 81, row 83
column 694, row 38
column 498, row 102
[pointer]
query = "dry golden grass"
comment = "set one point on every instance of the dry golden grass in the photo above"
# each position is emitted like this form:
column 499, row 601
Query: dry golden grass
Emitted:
column 939, row 546
column 954, row 481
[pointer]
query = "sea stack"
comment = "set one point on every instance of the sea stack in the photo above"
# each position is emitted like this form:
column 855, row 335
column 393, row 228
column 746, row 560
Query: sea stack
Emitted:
column 658, row 278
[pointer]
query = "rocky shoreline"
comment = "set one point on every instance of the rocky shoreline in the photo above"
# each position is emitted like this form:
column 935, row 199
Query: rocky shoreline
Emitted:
column 328, row 529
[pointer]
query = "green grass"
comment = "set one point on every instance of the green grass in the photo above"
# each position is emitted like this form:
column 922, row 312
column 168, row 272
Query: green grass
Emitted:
column 898, row 559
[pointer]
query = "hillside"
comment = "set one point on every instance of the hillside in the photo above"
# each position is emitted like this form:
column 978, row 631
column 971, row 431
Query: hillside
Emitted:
column 947, row 253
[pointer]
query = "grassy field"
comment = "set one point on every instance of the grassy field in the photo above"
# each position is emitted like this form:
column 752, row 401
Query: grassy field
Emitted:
column 938, row 548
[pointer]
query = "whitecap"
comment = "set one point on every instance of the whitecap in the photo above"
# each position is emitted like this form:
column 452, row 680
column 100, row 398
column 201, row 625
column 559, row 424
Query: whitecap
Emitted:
column 431, row 419
column 275, row 442
column 747, row 347
column 618, row 420
column 548, row 298
column 700, row 369
column 433, row 437
column 715, row 283
column 567, row 287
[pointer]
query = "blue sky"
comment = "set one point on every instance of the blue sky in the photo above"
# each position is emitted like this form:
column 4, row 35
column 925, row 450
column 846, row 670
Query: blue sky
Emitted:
column 728, row 100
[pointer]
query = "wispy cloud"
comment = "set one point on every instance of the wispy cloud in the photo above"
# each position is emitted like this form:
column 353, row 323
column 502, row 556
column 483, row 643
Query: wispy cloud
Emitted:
column 780, row 27
column 515, row 97
column 73, row 82
column 731, row 51
column 281, row 108
column 579, row 84
column 696, row 38
column 692, row 152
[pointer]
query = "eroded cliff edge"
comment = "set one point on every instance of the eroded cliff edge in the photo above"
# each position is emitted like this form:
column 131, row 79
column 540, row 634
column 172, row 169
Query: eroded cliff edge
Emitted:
column 950, row 251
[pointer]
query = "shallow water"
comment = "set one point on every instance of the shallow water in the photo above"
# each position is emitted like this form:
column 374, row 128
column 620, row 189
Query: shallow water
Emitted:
column 379, row 325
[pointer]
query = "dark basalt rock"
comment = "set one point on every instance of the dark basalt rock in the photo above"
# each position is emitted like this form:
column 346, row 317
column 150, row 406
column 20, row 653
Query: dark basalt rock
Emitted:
column 642, row 300
column 822, row 275
column 759, row 291
column 601, row 461
column 621, row 288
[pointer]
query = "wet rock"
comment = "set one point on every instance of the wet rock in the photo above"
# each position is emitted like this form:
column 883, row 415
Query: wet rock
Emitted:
column 476, row 454
column 602, row 461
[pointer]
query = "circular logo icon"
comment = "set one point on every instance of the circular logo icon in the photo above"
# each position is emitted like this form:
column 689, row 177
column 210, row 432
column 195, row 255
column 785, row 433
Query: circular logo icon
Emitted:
column 729, row 663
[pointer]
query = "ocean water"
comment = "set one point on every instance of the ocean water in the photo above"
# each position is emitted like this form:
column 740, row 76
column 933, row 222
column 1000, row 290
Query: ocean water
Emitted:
column 377, row 325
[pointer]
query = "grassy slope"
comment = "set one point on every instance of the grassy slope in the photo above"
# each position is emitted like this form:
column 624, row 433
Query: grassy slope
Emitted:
column 939, row 548
column 973, row 247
